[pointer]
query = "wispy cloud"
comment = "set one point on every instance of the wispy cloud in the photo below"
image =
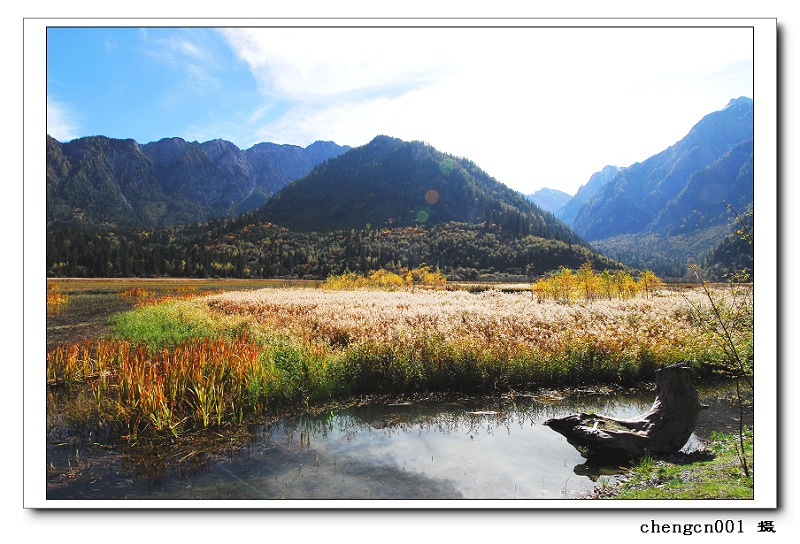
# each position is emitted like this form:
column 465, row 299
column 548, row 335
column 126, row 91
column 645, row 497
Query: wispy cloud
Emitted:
column 61, row 121
column 183, row 55
column 324, row 65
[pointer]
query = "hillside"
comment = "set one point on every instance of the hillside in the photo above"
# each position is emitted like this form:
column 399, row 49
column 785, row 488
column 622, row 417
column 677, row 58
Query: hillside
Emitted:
column 244, row 248
column 671, row 208
column 100, row 181
column 393, row 183
column 732, row 258
column 570, row 209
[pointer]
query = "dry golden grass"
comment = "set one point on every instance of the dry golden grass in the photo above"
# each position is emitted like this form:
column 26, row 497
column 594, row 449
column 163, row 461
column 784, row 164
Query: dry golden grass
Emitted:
column 510, row 324
column 209, row 360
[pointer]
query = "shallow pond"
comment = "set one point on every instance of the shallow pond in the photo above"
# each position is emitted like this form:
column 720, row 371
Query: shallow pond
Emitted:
column 444, row 448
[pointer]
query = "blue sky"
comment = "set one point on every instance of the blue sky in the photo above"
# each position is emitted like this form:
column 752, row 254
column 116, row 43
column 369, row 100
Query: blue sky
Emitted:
column 534, row 107
column 147, row 84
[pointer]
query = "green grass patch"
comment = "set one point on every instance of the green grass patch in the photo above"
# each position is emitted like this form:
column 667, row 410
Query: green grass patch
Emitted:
column 165, row 324
column 717, row 475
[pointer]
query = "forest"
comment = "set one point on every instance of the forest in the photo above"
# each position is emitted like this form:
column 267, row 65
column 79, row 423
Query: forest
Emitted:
column 236, row 248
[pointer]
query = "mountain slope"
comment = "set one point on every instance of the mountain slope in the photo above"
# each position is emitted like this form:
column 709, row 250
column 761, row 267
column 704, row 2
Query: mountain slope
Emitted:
column 103, row 181
column 732, row 258
column 240, row 248
column 729, row 180
column 99, row 180
column 634, row 199
column 598, row 180
column 392, row 183
column 671, row 208
column 550, row 200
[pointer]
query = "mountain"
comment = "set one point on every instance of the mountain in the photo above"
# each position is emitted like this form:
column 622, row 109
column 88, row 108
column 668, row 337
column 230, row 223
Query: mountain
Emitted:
column 729, row 179
column 393, row 183
column 388, row 204
column 550, row 200
column 571, row 208
column 88, row 180
column 104, row 181
column 672, row 207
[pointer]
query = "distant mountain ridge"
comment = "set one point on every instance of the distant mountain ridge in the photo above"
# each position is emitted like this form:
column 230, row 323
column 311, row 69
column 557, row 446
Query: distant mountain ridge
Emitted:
column 671, row 208
column 98, row 180
column 550, row 200
column 570, row 209
column 633, row 200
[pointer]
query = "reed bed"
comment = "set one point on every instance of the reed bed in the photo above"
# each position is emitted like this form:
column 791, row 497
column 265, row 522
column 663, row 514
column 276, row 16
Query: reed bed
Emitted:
column 197, row 383
column 214, row 360
column 494, row 337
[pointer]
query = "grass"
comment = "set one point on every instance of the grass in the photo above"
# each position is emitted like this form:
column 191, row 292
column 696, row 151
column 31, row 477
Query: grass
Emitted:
column 716, row 475
column 200, row 361
column 165, row 323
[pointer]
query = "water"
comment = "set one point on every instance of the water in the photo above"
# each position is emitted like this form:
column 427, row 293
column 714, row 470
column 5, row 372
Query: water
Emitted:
column 444, row 448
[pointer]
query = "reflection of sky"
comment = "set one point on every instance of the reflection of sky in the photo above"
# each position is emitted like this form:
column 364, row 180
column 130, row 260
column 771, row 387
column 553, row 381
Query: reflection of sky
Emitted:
column 499, row 456
column 440, row 451
column 423, row 451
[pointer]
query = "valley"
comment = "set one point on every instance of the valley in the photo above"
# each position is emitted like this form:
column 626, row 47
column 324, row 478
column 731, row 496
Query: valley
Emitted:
column 405, row 254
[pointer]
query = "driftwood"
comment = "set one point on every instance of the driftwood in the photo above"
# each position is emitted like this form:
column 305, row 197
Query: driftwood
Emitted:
column 662, row 430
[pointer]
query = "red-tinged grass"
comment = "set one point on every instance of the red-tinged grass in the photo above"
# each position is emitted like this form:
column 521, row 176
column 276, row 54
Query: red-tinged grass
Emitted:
column 144, row 297
column 197, row 383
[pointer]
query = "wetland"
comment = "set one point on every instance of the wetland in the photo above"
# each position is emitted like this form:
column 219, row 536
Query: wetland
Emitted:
column 428, row 394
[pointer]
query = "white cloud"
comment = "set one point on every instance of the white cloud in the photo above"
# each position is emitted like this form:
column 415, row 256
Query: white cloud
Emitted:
column 61, row 122
column 532, row 107
column 325, row 64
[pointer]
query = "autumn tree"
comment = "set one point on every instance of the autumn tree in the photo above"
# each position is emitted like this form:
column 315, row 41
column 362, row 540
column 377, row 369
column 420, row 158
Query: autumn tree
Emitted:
column 649, row 283
column 588, row 281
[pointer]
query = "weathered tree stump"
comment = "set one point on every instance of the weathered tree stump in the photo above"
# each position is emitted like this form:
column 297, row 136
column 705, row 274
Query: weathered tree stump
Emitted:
column 662, row 430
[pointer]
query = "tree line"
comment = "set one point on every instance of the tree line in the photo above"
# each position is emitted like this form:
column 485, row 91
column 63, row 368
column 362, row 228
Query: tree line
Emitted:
column 240, row 249
column 587, row 284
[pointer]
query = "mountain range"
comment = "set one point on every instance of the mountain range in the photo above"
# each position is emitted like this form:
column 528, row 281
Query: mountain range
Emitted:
column 674, row 206
column 387, row 204
column 97, row 180
column 334, row 204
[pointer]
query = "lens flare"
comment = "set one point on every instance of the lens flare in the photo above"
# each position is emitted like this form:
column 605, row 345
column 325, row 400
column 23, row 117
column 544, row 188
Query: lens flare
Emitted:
column 432, row 197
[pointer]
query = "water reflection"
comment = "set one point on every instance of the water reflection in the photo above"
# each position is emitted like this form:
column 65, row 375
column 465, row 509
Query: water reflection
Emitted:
column 434, row 448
